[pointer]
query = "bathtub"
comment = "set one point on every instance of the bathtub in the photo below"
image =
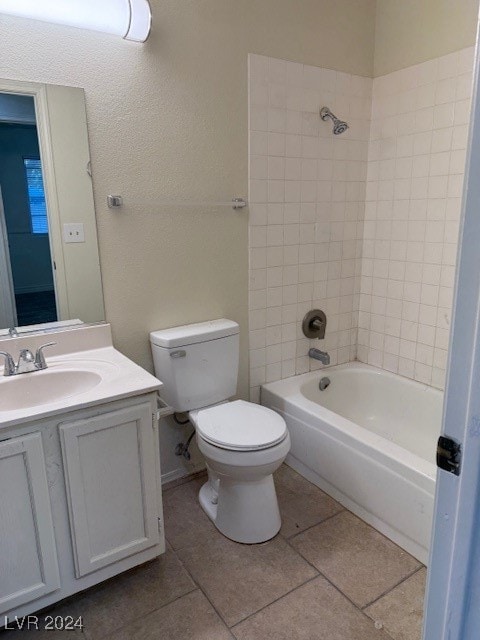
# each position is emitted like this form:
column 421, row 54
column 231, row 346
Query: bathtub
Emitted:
column 369, row 441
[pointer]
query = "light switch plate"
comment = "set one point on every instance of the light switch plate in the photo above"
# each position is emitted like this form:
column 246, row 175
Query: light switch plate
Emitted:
column 73, row 232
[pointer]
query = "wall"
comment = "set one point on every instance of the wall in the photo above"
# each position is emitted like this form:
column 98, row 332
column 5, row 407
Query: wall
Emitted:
column 168, row 121
column 29, row 252
column 414, row 31
column 417, row 153
column 173, row 466
column 307, row 194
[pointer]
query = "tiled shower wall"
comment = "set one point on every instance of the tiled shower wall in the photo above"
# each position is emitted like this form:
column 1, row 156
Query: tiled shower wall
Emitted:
column 372, row 244
column 307, row 199
column 417, row 151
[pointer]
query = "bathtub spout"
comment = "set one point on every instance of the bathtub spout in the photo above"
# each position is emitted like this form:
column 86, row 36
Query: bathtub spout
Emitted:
column 316, row 354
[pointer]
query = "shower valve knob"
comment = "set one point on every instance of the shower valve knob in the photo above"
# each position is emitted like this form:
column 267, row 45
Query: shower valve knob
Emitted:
column 314, row 324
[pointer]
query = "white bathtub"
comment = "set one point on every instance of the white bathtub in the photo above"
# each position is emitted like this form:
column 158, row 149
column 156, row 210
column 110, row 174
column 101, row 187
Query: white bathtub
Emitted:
column 368, row 440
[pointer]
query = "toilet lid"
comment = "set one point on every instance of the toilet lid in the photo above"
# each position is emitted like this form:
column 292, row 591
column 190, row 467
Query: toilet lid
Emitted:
column 241, row 426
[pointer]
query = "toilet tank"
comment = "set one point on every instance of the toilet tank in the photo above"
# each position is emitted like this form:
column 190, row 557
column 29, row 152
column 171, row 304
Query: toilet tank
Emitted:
column 197, row 363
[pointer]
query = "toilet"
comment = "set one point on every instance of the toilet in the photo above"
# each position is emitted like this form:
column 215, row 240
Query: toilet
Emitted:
column 243, row 443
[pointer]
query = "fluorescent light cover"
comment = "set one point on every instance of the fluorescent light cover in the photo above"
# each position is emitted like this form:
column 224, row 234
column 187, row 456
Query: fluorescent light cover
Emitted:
column 130, row 19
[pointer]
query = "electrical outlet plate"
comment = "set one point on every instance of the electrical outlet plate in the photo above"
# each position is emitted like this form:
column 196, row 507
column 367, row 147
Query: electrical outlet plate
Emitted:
column 73, row 232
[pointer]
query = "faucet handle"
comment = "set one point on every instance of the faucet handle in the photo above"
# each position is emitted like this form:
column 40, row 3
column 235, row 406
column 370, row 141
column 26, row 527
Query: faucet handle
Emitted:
column 26, row 355
column 9, row 367
column 40, row 358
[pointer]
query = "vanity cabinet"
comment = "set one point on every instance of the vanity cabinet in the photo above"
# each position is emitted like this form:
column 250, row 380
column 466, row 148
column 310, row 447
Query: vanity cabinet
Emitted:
column 109, row 464
column 80, row 501
column 28, row 557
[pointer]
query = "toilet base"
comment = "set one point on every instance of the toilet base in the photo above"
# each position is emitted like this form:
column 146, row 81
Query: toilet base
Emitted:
column 240, row 497
column 245, row 512
column 208, row 501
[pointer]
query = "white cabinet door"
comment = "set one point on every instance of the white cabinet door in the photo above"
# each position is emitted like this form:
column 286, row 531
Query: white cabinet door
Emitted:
column 28, row 555
column 110, row 473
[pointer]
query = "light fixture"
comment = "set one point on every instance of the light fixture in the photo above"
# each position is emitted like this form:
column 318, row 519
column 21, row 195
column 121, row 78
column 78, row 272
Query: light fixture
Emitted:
column 130, row 19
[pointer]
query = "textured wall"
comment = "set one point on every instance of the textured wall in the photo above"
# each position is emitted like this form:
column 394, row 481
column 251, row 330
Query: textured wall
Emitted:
column 168, row 121
column 307, row 194
column 413, row 31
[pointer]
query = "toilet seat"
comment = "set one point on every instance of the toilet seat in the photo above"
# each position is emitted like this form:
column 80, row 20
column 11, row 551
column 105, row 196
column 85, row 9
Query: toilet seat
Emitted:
column 240, row 426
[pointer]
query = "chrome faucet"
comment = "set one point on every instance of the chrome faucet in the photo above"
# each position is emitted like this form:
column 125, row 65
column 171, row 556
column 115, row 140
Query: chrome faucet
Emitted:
column 322, row 356
column 9, row 366
column 27, row 362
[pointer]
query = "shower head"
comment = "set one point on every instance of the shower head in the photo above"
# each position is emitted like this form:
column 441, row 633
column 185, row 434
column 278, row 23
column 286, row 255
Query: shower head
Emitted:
column 339, row 126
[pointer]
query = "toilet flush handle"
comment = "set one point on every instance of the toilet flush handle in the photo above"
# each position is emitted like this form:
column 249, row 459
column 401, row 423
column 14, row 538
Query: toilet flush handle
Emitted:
column 178, row 354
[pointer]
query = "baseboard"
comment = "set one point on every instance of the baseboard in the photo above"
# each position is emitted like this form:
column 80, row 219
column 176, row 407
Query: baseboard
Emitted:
column 178, row 474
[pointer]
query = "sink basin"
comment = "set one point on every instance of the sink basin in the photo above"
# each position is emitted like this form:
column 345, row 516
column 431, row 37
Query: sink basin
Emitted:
column 34, row 389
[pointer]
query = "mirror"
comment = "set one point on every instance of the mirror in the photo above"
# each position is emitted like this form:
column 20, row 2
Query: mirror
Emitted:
column 49, row 262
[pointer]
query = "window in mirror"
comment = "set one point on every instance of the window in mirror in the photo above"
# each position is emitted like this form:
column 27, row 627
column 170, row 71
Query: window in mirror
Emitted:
column 36, row 195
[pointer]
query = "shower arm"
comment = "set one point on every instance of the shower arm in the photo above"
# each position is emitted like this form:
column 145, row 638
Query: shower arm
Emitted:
column 339, row 126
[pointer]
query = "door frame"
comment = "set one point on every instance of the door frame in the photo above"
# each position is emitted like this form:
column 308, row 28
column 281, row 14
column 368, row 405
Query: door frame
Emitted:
column 39, row 94
column 454, row 567
column 8, row 308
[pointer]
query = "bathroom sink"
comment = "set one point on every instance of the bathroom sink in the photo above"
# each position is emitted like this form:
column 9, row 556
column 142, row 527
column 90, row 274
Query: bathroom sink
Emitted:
column 45, row 387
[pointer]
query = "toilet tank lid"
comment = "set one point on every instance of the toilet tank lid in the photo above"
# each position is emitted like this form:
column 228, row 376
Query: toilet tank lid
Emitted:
column 194, row 333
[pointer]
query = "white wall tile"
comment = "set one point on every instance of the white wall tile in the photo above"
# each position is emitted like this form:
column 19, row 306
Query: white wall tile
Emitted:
column 363, row 225
column 417, row 284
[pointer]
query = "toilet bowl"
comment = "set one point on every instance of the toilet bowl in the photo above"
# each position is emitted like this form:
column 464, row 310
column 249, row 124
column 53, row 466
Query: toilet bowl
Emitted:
column 239, row 496
column 243, row 443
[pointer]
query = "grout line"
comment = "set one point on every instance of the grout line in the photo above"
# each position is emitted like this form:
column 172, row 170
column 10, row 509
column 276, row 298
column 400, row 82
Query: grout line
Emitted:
column 91, row 636
column 254, row 613
column 320, row 573
column 87, row 634
column 407, row 577
column 195, row 582
column 299, row 533
column 324, row 576
column 337, row 588
column 265, row 606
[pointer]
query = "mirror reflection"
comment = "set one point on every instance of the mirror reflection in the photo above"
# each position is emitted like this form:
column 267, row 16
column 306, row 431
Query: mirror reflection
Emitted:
column 49, row 262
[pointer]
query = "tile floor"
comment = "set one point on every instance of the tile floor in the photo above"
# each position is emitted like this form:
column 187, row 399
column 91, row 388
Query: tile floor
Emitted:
column 327, row 575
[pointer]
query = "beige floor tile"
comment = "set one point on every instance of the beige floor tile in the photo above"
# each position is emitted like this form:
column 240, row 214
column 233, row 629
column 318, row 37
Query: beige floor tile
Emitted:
column 186, row 523
column 188, row 618
column 361, row 562
column 302, row 504
column 241, row 579
column 132, row 595
column 315, row 611
column 401, row 610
